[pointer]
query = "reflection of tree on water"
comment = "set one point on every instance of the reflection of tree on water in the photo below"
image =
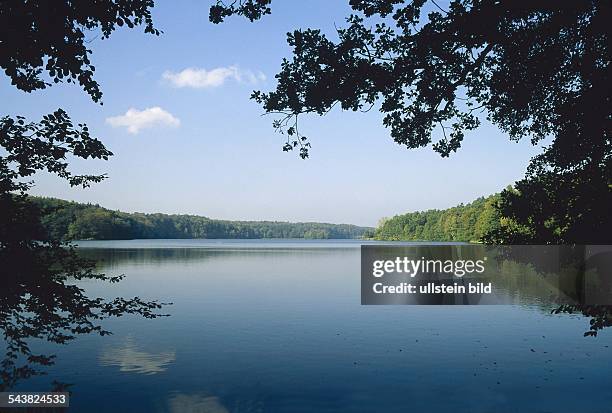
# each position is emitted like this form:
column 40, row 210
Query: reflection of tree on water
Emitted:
column 582, row 274
column 39, row 301
column 38, row 298
column 595, row 290
column 114, row 258
column 552, row 278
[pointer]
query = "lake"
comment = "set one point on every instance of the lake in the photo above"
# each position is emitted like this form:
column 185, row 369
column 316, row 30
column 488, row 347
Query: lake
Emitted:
column 277, row 326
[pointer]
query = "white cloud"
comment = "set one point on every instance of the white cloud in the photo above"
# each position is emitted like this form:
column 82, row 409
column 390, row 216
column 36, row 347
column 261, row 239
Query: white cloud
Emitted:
column 202, row 78
column 135, row 119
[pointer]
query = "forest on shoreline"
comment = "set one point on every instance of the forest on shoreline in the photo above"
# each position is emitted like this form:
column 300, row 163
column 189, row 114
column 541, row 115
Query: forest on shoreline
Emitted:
column 66, row 220
column 464, row 222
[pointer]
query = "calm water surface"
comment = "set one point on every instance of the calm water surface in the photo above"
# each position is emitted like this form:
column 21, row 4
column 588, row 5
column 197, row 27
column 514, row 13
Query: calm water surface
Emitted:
column 277, row 326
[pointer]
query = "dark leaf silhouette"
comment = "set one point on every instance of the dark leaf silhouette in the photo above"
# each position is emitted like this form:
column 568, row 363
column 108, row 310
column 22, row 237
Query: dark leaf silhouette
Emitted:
column 40, row 298
column 536, row 70
column 52, row 37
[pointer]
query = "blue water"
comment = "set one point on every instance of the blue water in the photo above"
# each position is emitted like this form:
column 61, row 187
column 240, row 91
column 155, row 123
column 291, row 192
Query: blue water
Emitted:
column 277, row 326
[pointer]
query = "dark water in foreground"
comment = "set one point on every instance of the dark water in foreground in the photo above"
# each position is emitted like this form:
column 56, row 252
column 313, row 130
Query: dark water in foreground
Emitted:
column 261, row 326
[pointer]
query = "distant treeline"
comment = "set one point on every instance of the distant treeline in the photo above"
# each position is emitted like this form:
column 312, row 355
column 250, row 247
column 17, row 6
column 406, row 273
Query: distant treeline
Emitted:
column 71, row 221
column 461, row 223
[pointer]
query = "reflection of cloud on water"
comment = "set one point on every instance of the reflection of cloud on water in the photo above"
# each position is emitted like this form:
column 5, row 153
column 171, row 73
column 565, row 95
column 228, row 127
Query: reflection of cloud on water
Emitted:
column 129, row 358
column 194, row 403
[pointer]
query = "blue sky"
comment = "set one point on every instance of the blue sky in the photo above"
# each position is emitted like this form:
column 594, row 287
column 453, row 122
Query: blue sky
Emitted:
column 206, row 149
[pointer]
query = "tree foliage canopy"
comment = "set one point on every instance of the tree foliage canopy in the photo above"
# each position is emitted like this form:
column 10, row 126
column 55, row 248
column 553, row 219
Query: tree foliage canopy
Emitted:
column 526, row 64
column 463, row 223
column 251, row 9
column 535, row 69
column 51, row 36
column 45, row 145
column 65, row 220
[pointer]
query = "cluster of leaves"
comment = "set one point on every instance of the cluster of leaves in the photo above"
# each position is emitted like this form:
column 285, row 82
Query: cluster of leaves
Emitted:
column 251, row 9
column 601, row 316
column 50, row 36
column 559, row 207
column 517, row 63
column 45, row 145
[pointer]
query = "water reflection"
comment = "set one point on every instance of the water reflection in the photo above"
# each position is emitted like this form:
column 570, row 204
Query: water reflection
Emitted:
column 195, row 403
column 581, row 273
column 545, row 285
column 41, row 299
column 114, row 258
column 131, row 359
column 259, row 329
column 561, row 278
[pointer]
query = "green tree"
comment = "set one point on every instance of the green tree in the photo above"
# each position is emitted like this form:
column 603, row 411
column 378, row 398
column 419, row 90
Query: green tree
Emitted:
column 466, row 223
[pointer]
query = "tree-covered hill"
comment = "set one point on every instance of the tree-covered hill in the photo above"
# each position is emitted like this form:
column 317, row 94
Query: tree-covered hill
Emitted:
column 461, row 223
column 71, row 221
